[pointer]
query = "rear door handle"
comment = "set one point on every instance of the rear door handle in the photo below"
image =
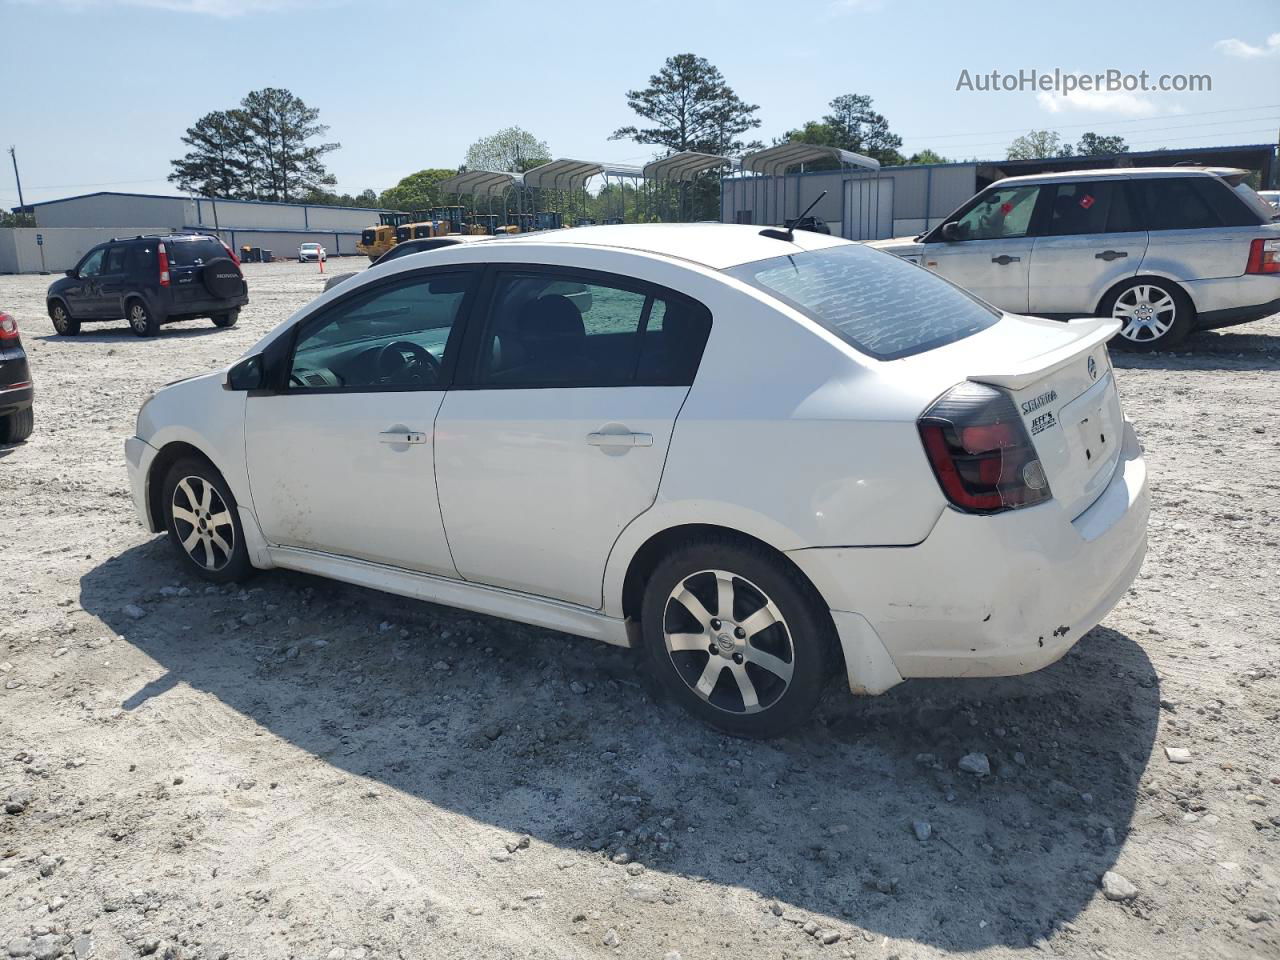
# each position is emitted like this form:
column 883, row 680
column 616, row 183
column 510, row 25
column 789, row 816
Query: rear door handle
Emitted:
column 1004, row 259
column 402, row 436
column 620, row 439
column 1110, row 255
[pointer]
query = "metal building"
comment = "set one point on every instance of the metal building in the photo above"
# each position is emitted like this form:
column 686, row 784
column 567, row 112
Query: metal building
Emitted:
column 280, row 227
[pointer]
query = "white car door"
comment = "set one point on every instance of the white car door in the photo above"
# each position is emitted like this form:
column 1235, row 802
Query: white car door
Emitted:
column 991, row 253
column 556, row 432
column 1088, row 244
column 340, row 457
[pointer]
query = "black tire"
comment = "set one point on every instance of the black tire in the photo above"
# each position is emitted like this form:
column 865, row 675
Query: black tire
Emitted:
column 763, row 589
column 1147, row 325
column 142, row 319
column 227, row 319
column 17, row 426
column 202, row 521
column 63, row 323
column 222, row 278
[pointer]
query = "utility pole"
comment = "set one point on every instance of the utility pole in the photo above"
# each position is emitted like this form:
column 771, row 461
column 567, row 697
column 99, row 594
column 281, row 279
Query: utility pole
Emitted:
column 13, row 155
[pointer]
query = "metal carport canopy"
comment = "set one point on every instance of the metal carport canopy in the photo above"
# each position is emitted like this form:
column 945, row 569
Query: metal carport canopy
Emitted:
column 481, row 183
column 562, row 172
column 775, row 160
column 683, row 166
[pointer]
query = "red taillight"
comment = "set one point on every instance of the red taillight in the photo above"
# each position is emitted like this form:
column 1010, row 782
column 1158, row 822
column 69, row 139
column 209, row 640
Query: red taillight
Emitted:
column 164, row 265
column 8, row 327
column 1264, row 256
column 980, row 451
column 230, row 253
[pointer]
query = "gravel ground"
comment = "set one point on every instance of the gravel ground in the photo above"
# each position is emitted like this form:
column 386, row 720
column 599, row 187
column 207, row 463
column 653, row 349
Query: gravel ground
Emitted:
column 305, row 769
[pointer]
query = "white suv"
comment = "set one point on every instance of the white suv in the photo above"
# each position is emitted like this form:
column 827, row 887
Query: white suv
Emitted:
column 1164, row 250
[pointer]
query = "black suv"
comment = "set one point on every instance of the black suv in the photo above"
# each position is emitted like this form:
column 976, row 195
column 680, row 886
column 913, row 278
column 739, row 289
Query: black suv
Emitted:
column 149, row 281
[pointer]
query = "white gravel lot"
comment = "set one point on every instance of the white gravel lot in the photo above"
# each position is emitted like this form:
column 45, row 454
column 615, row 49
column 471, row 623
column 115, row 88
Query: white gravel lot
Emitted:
column 299, row 768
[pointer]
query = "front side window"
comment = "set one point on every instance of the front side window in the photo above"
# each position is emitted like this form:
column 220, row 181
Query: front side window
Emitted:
column 1000, row 213
column 876, row 302
column 92, row 264
column 548, row 329
column 396, row 337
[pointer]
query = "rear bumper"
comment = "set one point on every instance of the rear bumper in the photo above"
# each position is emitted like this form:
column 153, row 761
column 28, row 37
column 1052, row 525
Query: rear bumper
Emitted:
column 138, row 457
column 13, row 399
column 171, row 307
column 1228, row 300
column 991, row 596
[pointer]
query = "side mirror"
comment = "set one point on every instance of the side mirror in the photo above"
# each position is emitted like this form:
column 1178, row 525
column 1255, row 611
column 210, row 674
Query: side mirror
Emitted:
column 248, row 374
column 951, row 232
column 72, row 273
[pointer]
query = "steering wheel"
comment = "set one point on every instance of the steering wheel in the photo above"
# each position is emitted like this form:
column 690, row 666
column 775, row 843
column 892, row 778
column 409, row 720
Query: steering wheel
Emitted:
column 391, row 363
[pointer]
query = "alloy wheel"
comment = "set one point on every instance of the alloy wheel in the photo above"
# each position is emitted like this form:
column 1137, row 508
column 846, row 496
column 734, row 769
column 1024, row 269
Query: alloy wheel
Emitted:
column 739, row 658
column 1148, row 312
column 138, row 317
column 60, row 318
column 209, row 537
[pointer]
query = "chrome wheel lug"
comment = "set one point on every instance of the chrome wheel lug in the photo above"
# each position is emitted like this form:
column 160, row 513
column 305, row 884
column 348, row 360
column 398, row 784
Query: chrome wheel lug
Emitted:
column 715, row 624
column 737, row 658
column 713, row 649
column 739, row 633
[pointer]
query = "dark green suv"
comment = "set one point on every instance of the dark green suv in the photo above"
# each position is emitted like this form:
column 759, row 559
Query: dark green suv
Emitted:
column 149, row 281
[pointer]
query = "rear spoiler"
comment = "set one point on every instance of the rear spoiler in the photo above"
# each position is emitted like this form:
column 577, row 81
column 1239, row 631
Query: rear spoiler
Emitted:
column 1092, row 331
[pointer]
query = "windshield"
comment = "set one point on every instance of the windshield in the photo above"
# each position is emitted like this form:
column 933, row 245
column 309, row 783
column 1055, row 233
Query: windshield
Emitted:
column 876, row 302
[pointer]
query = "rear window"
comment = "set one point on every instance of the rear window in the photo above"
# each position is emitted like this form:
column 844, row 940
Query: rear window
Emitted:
column 877, row 303
column 193, row 253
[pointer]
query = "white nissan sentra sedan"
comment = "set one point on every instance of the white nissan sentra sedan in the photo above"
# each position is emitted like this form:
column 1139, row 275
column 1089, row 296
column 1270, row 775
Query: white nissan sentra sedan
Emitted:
column 762, row 460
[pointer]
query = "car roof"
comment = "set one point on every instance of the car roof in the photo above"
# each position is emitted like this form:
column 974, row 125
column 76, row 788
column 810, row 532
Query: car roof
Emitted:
column 1129, row 172
column 715, row 245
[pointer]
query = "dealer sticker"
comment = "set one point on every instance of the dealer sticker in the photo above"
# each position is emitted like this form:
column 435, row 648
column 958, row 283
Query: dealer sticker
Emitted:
column 1042, row 423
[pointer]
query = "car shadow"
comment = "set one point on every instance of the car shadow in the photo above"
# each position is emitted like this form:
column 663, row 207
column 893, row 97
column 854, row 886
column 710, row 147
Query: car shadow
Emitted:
column 1231, row 348
column 106, row 333
column 478, row 716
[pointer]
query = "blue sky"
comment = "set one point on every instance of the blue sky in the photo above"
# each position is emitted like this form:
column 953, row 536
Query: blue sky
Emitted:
column 98, row 92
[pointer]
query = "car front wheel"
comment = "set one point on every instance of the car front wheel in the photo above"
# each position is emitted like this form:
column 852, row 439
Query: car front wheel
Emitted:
column 204, row 523
column 62, row 322
column 1155, row 315
column 737, row 637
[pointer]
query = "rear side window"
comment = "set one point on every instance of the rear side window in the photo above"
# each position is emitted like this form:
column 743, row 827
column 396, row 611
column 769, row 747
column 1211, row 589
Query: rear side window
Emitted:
column 1176, row 203
column 1077, row 208
column 115, row 260
column 193, row 253
column 141, row 258
column 877, row 303
column 571, row 330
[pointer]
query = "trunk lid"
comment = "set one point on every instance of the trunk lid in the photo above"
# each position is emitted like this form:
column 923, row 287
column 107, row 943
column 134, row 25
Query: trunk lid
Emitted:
column 1066, row 395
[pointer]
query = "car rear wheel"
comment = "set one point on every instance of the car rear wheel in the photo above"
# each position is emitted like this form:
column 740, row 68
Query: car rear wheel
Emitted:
column 737, row 637
column 17, row 426
column 204, row 523
column 1156, row 315
column 142, row 320
column 63, row 325
column 227, row 319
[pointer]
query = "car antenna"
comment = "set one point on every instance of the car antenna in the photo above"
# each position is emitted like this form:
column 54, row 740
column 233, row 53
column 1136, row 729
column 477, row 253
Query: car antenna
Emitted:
column 788, row 232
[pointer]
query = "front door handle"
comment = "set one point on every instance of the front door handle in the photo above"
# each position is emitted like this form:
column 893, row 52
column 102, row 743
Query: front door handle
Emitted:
column 402, row 436
column 1110, row 255
column 620, row 439
column 1004, row 259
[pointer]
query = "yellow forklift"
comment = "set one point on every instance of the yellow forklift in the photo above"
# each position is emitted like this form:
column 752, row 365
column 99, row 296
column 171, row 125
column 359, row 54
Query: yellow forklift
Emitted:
column 377, row 240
